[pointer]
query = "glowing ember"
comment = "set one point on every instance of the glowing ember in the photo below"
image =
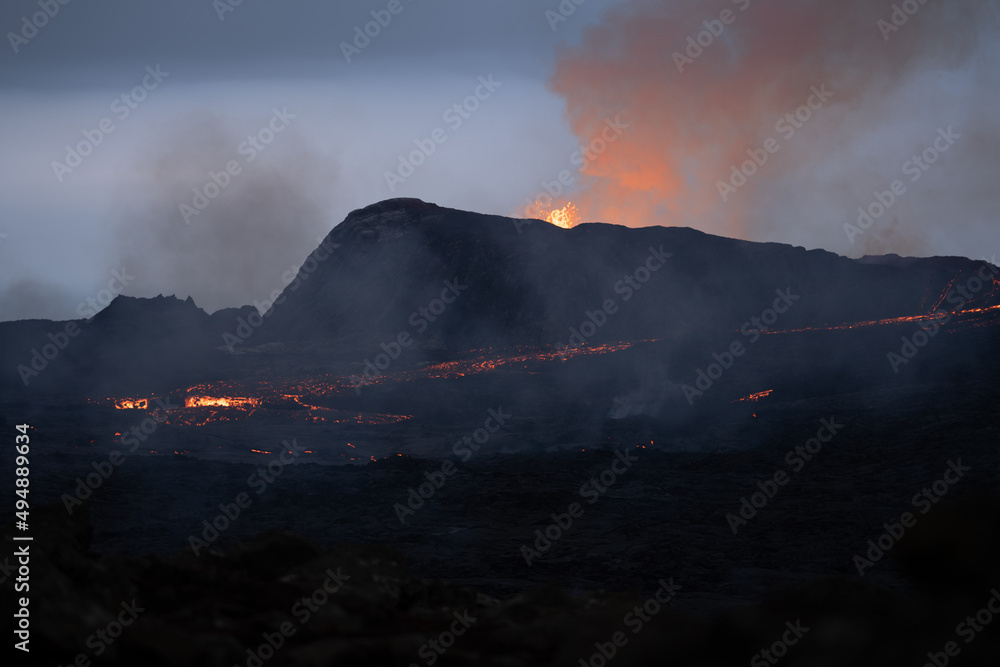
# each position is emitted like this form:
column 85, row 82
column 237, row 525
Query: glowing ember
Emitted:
column 753, row 398
column 564, row 217
column 132, row 404
column 225, row 402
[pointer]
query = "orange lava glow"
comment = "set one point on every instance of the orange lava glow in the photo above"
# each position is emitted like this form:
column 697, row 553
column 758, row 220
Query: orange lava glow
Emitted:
column 225, row 402
column 132, row 403
column 753, row 398
column 488, row 362
column 976, row 312
column 565, row 217
column 228, row 401
column 311, row 399
column 965, row 316
column 306, row 399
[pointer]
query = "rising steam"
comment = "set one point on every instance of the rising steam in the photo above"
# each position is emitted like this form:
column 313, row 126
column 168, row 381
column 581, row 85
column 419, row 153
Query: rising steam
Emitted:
column 259, row 226
column 694, row 117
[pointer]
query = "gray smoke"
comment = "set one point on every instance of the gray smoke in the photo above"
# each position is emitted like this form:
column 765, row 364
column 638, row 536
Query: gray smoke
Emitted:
column 697, row 107
column 31, row 299
column 247, row 228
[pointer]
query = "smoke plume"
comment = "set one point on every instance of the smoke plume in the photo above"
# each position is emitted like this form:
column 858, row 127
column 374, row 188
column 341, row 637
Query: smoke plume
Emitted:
column 227, row 239
column 700, row 88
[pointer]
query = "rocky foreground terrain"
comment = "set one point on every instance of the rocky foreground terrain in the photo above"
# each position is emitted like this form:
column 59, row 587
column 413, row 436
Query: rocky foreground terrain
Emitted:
column 662, row 527
column 281, row 600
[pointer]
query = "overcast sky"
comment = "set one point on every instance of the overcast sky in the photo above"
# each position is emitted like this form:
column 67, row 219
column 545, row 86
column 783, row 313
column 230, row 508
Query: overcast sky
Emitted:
column 200, row 82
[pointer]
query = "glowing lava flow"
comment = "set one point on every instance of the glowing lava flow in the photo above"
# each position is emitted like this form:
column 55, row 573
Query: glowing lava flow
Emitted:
column 224, row 402
column 230, row 401
column 486, row 363
column 965, row 315
column 753, row 398
column 306, row 399
column 132, row 403
column 565, row 217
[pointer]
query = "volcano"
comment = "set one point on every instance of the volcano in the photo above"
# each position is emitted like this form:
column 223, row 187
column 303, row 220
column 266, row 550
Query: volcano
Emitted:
column 490, row 399
column 451, row 282
column 409, row 312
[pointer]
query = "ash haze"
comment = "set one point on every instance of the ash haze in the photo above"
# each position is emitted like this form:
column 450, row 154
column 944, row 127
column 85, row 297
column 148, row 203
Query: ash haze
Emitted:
column 685, row 114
